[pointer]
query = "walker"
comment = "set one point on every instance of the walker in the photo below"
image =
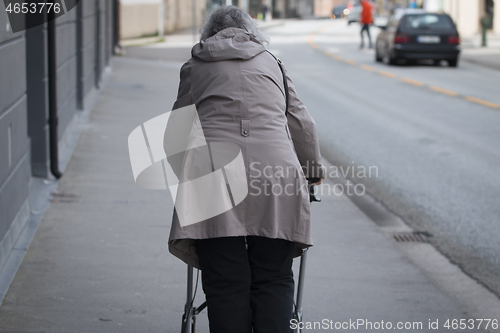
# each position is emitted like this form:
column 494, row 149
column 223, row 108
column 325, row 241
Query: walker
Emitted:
column 190, row 311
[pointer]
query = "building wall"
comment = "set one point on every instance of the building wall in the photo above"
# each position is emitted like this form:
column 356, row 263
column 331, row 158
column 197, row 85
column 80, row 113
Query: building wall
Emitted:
column 300, row 8
column 179, row 14
column 138, row 20
column 14, row 141
column 496, row 18
column 466, row 15
column 279, row 8
column 295, row 8
column 66, row 70
column 88, row 61
column 323, row 8
column 37, row 99
column 84, row 44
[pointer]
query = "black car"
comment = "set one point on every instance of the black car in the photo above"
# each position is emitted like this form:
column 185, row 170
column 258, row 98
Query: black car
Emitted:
column 416, row 34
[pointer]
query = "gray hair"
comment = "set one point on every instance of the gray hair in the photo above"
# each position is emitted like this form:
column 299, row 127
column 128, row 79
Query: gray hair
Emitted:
column 230, row 16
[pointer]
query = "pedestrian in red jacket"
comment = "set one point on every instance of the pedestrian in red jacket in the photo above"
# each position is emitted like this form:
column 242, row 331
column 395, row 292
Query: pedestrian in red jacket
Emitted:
column 365, row 20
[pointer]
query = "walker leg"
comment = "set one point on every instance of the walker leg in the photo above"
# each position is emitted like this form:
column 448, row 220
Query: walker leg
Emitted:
column 187, row 317
column 297, row 314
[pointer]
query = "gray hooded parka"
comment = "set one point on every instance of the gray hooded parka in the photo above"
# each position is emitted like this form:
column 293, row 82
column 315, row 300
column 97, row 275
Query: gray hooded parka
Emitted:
column 239, row 94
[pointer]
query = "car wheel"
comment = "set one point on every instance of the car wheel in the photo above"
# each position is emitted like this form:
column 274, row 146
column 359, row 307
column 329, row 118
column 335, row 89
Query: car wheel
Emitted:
column 388, row 59
column 453, row 62
column 378, row 58
column 348, row 22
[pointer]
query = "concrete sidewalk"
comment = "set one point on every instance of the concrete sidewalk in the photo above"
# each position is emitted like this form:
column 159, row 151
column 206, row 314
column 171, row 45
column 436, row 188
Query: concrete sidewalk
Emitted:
column 483, row 56
column 99, row 261
column 487, row 57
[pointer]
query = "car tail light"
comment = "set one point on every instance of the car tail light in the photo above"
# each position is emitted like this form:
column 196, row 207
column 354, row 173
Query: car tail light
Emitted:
column 453, row 39
column 401, row 39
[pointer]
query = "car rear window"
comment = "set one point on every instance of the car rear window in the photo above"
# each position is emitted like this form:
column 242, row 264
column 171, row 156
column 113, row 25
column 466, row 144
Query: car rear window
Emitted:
column 427, row 22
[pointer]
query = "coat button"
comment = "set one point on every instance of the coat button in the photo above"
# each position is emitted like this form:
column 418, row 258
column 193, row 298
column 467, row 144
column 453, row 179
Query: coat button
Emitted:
column 245, row 132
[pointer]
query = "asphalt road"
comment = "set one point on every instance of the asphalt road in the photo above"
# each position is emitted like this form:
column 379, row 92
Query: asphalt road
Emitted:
column 432, row 132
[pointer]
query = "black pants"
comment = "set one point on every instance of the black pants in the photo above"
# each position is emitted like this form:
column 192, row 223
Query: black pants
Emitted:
column 366, row 27
column 247, row 286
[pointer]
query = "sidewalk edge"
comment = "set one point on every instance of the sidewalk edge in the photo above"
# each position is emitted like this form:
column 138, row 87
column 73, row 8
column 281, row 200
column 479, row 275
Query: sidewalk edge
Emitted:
column 39, row 193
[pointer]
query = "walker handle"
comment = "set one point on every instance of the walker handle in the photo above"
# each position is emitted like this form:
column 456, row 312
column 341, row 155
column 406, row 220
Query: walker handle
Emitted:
column 312, row 196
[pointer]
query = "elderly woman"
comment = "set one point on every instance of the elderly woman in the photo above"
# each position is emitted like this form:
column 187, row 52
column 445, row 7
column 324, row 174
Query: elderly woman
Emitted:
column 245, row 254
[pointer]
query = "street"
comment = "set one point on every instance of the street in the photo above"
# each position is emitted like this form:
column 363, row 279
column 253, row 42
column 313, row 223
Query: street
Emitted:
column 432, row 132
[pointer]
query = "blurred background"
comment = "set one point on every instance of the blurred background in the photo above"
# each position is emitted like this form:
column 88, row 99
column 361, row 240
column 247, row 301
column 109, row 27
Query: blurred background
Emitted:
column 140, row 15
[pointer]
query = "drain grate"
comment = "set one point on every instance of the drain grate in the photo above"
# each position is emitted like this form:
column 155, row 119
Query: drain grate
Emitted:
column 412, row 237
